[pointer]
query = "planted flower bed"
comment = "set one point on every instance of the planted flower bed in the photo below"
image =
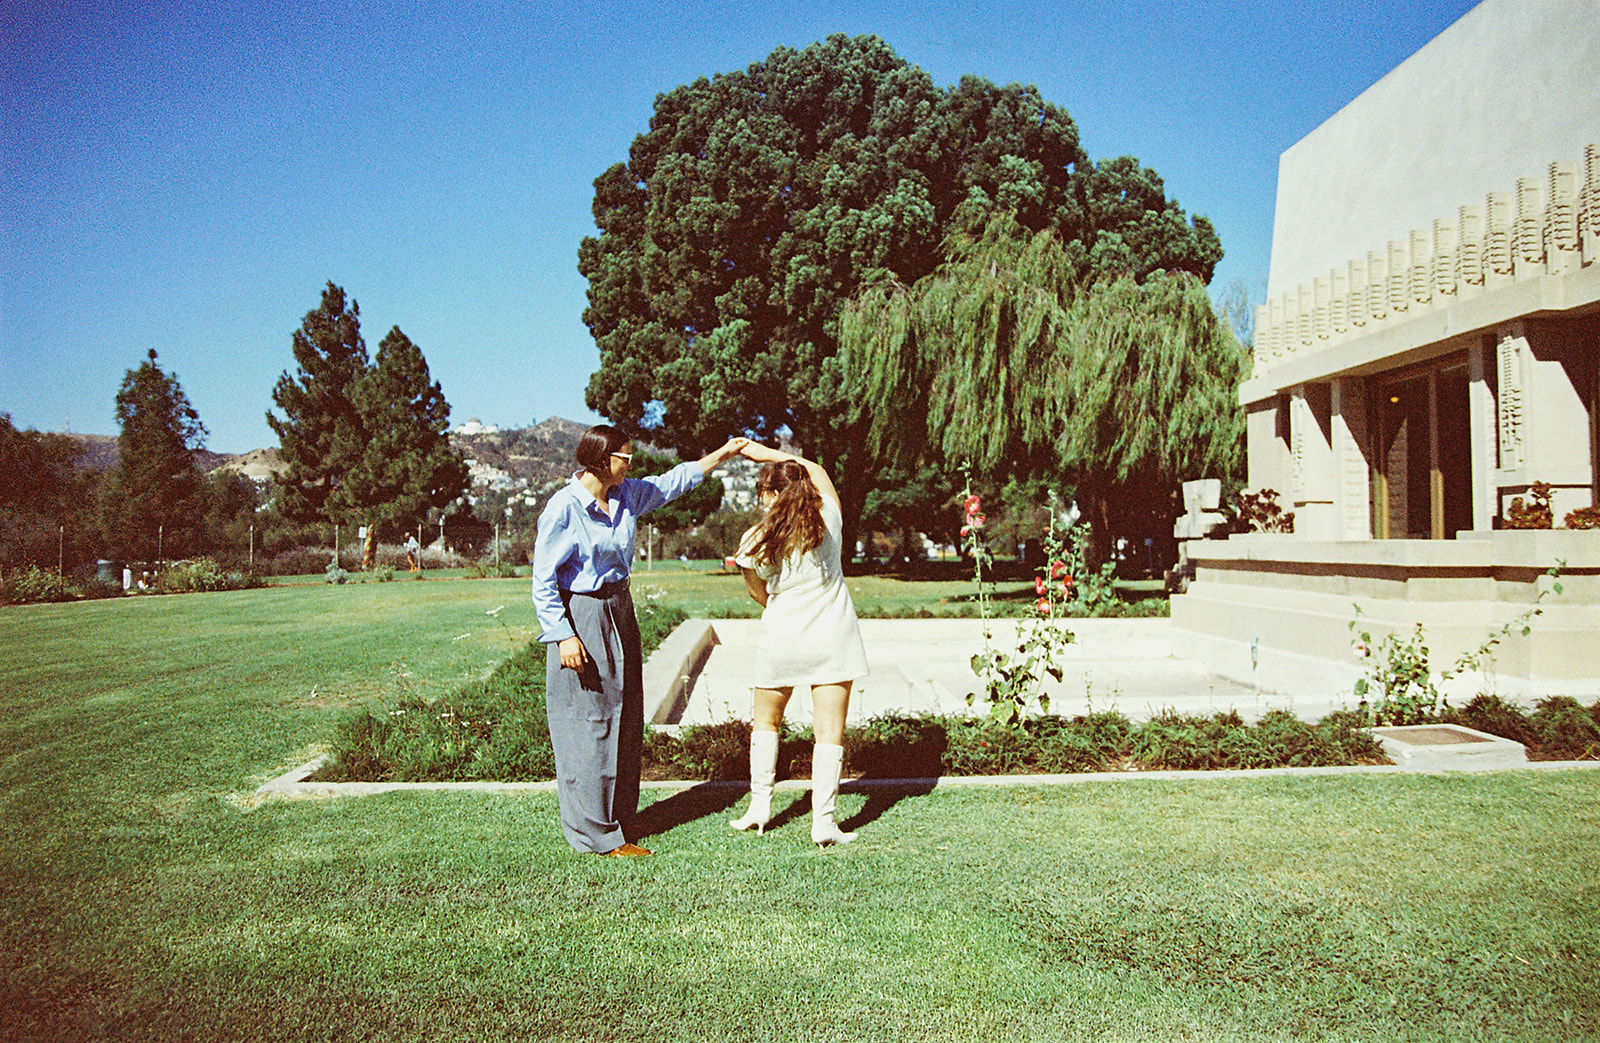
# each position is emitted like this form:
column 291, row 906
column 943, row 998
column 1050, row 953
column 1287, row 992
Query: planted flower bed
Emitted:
column 496, row 730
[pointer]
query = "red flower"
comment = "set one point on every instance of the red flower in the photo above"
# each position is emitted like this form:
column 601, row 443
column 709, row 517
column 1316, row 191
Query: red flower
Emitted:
column 973, row 505
column 965, row 531
column 1038, row 586
column 1066, row 585
column 1058, row 569
column 977, row 521
column 1043, row 606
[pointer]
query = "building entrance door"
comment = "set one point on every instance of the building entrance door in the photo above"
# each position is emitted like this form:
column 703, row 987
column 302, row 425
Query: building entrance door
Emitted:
column 1422, row 478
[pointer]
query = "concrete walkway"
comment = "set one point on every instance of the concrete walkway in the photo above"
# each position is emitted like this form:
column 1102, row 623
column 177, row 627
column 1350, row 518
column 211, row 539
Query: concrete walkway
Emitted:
column 925, row 666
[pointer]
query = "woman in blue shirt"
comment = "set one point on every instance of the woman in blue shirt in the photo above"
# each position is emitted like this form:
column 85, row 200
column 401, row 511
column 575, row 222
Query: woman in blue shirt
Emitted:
column 594, row 681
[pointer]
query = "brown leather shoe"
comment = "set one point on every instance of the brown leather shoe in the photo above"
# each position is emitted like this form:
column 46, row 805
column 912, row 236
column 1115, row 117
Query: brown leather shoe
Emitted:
column 627, row 850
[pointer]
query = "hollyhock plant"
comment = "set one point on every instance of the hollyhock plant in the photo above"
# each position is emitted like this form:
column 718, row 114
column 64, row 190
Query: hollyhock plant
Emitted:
column 1014, row 682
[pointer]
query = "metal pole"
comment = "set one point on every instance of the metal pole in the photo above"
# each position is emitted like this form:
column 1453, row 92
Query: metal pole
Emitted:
column 61, row 543
column 252, row 546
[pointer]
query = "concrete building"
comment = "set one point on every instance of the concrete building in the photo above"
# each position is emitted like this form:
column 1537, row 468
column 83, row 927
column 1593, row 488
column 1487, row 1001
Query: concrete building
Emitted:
column 1429, row 350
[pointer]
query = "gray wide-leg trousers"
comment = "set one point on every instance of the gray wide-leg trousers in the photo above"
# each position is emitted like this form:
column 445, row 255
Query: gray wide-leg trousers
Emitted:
column 597, row 720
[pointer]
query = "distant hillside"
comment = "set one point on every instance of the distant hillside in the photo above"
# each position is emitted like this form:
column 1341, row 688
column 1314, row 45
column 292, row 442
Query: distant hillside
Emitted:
column 100, row 454
column 259, row 464
column 531, row 455
column 535, row 455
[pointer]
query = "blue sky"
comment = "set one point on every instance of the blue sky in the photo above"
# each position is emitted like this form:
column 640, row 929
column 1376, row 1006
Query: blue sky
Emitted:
column 187, row 176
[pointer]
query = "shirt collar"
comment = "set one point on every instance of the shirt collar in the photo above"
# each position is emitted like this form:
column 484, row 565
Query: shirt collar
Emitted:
column 590, row 502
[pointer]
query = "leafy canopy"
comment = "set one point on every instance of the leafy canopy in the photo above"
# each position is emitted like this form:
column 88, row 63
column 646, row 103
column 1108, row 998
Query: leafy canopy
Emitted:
column 1004, row 357
column 760, row 201
column 46, row 499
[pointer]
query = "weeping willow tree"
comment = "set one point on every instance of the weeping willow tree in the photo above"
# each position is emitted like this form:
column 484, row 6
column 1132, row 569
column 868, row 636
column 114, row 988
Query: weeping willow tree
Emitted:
column 999, row 357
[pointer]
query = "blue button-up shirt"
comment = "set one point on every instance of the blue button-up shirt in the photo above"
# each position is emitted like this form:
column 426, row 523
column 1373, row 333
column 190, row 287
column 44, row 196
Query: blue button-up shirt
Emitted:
column 581, row 548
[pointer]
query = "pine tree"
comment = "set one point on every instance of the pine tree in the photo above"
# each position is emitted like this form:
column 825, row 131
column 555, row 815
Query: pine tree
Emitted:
column 406, row 466
column 364, row 441
column 153, row 503
column 320, row 436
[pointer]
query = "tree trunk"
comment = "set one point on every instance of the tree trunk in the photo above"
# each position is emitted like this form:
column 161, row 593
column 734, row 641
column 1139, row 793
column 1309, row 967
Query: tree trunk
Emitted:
column 1095, row 501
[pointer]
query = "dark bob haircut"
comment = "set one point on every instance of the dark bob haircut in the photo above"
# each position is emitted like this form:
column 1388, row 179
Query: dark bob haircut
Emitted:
column 596, row 446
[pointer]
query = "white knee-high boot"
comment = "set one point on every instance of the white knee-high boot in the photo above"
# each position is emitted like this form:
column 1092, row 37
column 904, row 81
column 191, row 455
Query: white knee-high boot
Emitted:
column 763, row 772
column 827, row 760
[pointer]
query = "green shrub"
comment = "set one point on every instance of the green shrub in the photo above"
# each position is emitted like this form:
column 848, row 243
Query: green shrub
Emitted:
column 1566, row 730
column 1492, row 714
column 711, row 751
column 35, row 585
column 299, row 561
column 1279, row 740
column 1182, row 743
column 898, row 746
column 202, row 576
column 1559, row 728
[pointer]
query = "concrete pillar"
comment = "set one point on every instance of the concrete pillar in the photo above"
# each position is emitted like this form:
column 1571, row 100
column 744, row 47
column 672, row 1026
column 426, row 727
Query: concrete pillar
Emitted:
column 1419, row 270
column 1469, row 252
column 1395, row 294
column 1498, row 268
column 1481, row 409
column 1444, row 261
column 1311, row 453
column 1528, row 253
column 1267, row 444
column 1353, row 482
column 1561, row 246
column 1509, row 347
column 1359, row 307
column 1589, row 206
column 1377, row 285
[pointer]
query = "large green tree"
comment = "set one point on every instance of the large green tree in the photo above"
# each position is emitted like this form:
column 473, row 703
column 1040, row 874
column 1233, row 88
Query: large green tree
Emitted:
column 1006, row 358
column 364, row 440
column 759, row 201
column 46, row 498
column 153, row 501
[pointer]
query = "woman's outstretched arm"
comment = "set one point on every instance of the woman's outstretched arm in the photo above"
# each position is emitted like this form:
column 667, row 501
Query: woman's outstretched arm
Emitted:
column 729, row 449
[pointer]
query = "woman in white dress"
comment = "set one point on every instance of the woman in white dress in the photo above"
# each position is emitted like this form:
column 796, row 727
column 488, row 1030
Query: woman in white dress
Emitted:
column 809, row 633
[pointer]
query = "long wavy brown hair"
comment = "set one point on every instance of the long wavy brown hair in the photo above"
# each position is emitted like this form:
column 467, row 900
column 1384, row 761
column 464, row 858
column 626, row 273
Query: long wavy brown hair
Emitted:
column 794, row 520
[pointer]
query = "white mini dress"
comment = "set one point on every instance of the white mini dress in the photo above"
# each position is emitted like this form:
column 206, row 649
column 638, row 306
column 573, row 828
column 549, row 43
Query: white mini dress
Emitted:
column 809, row 632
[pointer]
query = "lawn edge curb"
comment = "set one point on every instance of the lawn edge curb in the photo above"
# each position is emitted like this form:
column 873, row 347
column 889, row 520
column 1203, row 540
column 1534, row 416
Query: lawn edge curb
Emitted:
column 293, row 785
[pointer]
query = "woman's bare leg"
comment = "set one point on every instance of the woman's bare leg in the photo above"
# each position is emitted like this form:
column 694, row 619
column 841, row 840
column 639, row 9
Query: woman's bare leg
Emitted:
column 830, row 705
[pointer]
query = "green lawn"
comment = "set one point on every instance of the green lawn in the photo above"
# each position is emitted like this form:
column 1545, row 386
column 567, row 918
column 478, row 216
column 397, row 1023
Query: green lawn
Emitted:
column 139, row 901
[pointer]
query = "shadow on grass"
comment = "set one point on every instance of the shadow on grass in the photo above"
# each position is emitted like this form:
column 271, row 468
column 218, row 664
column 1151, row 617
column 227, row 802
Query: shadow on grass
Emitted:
column 881, row 798
column 716, row 799
column 683, row 807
